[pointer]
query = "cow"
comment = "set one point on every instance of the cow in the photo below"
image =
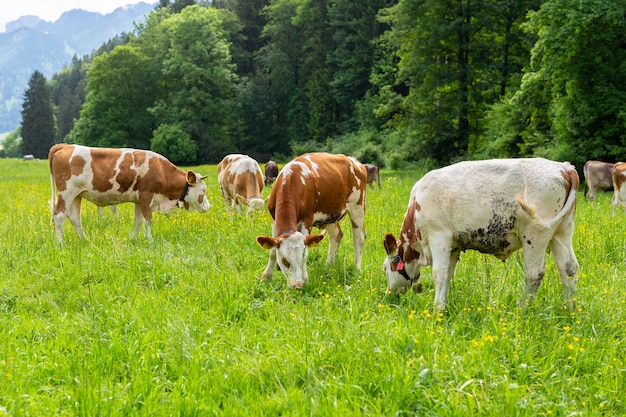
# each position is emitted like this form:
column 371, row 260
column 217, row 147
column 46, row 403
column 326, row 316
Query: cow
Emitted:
column 314, row 189
column 598, row 175
column 495, row 207
column 619, row 186
column 107, row 176
column 373, row 174
column 241, row 182
column 271, row 172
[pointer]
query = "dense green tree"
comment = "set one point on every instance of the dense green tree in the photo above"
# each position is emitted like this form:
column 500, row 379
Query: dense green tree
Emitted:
column 38, row 126
column 69, row 91
column 11, row 144
column 570, row 104
column 121, row 87
column 354, row 29
column 200, row 81
column 449, row 55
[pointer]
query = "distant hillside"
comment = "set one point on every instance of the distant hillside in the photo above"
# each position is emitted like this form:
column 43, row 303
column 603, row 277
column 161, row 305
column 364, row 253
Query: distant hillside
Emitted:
column 31, row 43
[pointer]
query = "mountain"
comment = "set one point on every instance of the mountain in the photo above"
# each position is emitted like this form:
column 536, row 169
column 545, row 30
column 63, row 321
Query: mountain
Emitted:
column 30, row 43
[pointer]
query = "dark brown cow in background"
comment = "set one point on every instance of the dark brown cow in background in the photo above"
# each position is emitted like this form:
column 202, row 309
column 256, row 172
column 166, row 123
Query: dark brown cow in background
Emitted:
column 108, row 176
column 315, row 189
column 271, row 172
column 598, row 175
column 373, row 174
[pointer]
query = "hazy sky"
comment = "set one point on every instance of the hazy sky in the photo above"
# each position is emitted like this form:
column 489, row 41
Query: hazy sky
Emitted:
column 51, row 10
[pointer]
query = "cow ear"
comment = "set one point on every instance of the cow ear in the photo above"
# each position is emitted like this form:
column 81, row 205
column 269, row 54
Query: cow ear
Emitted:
column 312, row 240
column 391, row 246
column 267, row 242
column 191, row 177
column 422, row 260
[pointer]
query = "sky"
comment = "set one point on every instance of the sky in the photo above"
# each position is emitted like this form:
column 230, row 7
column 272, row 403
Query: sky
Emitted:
column 51, row 10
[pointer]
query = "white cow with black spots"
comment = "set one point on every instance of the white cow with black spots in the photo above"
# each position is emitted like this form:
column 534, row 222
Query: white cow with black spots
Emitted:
column 496, row 207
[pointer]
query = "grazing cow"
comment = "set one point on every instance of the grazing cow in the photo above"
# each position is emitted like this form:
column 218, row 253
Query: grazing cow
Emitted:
column 271, row 172
column 619, row 186
column 598, row 175
column 315, row 189
column 241, row 182
column 495, row 207
column 373, row 174
column 112, row 176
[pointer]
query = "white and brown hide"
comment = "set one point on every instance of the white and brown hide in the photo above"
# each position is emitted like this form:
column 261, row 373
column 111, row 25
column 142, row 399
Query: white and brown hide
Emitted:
column 618, row 178
column 315, row 189
column 108, row 177
column 241, row 182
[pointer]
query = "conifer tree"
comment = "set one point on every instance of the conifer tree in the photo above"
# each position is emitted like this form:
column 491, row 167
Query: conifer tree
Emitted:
column 38, row 127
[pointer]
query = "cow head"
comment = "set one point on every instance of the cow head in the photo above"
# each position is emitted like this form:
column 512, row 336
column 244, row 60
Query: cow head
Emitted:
column 194, row 194
column 401, row 273
column 291, row 254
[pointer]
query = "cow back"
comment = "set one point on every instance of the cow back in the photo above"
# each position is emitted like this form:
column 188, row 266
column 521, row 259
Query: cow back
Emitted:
column 316, row 183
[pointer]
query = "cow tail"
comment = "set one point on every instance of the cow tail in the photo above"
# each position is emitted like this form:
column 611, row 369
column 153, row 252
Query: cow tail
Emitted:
column 573, row 180
column 52, row 185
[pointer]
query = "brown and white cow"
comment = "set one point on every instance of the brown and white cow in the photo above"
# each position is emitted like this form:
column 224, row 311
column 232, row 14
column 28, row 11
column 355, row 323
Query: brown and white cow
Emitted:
column 619, row 186
column 373, row 174
column 111, row 176
column 271, row 172
column 598, row 175
column 241, row 182
column 495, row 207
column 315, row 189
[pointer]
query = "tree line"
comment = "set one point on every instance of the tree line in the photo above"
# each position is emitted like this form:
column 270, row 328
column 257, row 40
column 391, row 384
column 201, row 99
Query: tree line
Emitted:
column 389, row 81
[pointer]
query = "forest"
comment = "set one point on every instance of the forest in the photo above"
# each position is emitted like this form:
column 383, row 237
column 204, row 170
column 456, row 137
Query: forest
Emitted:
column 396, row 83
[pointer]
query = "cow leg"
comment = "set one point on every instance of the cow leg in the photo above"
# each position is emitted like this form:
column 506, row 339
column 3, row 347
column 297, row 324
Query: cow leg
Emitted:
column 357, row 217
column 271, row 265
column 58, row 217
column 567, row 264
column 142, row 218
column 592, row 194
column 534, row 269
column 444, row 264
column 335, row 234
column 74, row 217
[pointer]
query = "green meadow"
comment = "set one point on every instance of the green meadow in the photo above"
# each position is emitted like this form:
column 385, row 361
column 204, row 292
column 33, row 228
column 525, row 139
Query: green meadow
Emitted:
column 183, row 326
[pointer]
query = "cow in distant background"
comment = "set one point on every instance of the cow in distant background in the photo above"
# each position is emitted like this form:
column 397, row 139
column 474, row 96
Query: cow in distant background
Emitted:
column 108, row 176
column 598, row 175
column 373, row 174
column 315, row 189
column 271, row 172
column 496, row 207
column 619, row 186
column 241, row 182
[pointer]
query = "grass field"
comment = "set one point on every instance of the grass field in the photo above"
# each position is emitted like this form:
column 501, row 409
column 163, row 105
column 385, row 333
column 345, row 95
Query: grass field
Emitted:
column 183, row 326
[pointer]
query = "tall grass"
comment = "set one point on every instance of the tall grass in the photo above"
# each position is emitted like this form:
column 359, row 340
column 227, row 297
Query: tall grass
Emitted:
column 184, row 326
